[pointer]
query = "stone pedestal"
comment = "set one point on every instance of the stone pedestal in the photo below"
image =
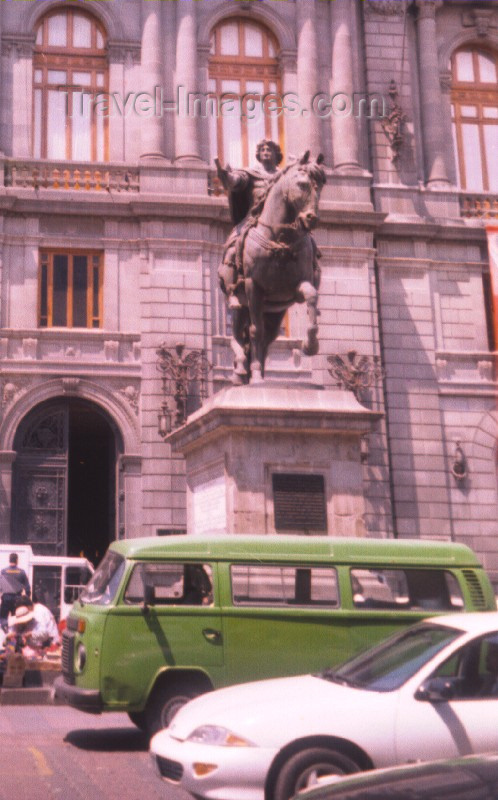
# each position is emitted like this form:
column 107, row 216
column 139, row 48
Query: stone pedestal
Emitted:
column 243, row 436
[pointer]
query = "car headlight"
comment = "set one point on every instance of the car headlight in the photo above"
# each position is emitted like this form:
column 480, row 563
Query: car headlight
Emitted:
column 214, row 734
column 80, row 657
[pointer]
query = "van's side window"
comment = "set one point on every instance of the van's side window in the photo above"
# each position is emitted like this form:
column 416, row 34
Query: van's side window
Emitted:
column 430, row 589
column 170, row 584
column 282, row 586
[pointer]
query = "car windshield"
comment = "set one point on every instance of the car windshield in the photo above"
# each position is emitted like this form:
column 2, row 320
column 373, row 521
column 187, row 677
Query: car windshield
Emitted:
column 390, row 664
column 105, row 581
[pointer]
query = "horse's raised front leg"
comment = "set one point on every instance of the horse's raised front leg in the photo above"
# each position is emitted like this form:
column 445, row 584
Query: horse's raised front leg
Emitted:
column 306, row 293
column 256, row 329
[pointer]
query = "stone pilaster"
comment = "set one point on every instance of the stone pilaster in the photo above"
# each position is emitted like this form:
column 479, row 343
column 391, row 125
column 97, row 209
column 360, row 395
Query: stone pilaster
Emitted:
column 7, row 458
column 288, row 69
column 430, row 94
column 344, row 127
column 186, row 125
column 130, row 526
column 19, row 52
column 152, row 145
column 307, row 76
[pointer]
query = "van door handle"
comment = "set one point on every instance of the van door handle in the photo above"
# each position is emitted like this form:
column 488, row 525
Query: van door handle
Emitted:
column 211, row 635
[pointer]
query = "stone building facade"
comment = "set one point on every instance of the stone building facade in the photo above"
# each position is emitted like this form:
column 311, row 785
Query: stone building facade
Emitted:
column 112, row 227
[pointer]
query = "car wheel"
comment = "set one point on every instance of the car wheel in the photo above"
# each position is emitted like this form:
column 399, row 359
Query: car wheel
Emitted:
column 139, row 718
column 163, row 706
column 304, row 769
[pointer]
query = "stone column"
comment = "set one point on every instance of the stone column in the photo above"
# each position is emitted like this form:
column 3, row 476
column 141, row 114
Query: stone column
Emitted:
column 344, row 127
column 169, row 47
column 307, row 76
column 152, row 77
column 431, row 100
column 186, row 133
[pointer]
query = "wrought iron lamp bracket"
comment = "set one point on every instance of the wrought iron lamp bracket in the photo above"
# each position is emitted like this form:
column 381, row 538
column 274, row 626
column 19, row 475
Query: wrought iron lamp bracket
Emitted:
column 354, row 372
column 179, row 372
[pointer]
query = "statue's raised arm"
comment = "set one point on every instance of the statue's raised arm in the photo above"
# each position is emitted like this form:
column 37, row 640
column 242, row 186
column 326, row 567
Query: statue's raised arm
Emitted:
column 229, row 179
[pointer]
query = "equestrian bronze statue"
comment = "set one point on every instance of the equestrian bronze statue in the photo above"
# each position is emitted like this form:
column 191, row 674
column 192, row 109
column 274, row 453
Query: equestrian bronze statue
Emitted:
column 270, row 259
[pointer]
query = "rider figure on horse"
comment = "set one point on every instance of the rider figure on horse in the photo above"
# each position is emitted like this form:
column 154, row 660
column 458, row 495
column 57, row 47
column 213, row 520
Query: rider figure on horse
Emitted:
column 246, row 187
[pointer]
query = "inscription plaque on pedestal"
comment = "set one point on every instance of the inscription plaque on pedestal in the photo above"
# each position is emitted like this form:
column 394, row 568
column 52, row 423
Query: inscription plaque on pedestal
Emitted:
column 299, row 502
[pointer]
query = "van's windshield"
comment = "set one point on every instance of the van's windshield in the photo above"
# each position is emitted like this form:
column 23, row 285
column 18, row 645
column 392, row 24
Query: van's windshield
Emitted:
column 103, row 586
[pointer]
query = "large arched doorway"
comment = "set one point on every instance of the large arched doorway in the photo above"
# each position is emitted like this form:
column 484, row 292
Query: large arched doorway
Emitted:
column 64, row 479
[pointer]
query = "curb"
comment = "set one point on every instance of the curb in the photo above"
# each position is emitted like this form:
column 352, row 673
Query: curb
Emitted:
column 27, row 697
column 38, row 690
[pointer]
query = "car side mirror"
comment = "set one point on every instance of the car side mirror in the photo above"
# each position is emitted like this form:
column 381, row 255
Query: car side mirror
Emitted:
column 149, row 598
column 436, row 690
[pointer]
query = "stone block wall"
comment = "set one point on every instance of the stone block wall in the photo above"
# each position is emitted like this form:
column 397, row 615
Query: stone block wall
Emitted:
column 402, row 270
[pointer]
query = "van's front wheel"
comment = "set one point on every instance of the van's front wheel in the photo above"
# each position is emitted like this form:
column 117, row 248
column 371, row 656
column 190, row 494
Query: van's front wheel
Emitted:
column 139, row 718
column 164, row 704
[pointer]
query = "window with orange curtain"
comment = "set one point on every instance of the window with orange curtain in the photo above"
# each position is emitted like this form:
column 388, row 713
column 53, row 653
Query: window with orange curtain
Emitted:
column 70, row 289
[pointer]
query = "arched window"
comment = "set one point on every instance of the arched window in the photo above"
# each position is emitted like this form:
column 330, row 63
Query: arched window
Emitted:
column 69, row 73
column 475, row 118
column 244, row 82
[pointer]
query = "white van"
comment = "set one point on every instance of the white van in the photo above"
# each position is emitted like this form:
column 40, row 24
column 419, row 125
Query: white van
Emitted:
column 55, row 581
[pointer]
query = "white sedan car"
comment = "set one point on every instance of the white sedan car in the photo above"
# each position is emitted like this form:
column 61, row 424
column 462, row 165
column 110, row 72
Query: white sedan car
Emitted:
column 428, row 692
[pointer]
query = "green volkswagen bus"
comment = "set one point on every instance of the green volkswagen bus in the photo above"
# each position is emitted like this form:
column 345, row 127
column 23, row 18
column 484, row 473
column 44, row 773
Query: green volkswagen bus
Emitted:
column 163, row 620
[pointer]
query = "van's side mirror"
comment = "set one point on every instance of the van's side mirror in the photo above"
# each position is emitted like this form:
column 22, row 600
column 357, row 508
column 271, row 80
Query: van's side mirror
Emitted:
column 436, row 690
column 149, row 597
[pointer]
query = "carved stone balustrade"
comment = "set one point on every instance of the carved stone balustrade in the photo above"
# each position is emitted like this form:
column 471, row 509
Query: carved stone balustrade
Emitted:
column 48, row 350
column 71, row 175
column 481, row 206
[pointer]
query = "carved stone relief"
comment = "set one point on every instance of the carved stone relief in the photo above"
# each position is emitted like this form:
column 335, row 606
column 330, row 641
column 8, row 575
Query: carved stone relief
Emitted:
column 386, row 7
column 12, row 390
column 132, row 396
column 481, row 18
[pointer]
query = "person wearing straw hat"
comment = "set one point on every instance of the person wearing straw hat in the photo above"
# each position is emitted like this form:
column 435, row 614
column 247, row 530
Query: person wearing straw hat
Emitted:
column 34, row 623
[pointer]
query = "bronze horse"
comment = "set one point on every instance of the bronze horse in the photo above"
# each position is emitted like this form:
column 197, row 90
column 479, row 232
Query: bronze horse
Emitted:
column 277, row 257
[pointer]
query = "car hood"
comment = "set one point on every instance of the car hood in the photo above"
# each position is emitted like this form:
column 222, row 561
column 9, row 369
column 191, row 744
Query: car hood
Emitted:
column 271, row 712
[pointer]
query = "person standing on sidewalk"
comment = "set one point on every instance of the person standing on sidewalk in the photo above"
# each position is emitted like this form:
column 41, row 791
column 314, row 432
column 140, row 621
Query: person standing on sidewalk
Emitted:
column 14, row 584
